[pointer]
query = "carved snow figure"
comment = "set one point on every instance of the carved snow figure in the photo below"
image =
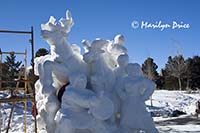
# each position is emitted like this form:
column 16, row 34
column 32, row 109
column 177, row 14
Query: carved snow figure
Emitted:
column 122, row 61
column 102, row 77
column 82, row 111
column 97, row 59
column 63, row 55
column 55, row 69
column 101, row 56
column 119, row 72
column 135, row 89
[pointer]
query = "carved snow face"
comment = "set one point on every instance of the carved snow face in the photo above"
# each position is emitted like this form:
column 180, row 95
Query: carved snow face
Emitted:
column 97, row 48
column 53, row 37
column 54, row 32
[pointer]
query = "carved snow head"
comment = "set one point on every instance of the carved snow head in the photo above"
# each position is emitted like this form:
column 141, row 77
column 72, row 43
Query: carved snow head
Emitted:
column 134, row 70
column 97, row 48
column 54, row 32
column 119, row 39
column 123, row 60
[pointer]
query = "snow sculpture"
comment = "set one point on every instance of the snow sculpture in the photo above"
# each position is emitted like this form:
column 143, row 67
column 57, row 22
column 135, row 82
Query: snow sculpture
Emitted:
column 93, row 93
column 134, row 90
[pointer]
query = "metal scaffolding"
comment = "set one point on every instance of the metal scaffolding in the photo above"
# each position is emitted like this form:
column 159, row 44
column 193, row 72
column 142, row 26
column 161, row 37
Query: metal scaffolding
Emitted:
column 22, row 78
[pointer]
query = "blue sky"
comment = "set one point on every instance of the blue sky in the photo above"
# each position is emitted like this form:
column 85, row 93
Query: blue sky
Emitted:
column 105, row 19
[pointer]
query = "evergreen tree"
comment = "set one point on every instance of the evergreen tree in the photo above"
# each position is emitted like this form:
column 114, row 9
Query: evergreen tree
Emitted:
column 4, row 76
column 194, row 69
column 41, row 52
column 12, row 67
column 149, row 69
column 169, row 82
column 188, row 73
column 176, row 67
column 160, row 81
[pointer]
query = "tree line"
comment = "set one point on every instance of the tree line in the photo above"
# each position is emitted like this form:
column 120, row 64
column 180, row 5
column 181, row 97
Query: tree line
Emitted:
column 178, row 73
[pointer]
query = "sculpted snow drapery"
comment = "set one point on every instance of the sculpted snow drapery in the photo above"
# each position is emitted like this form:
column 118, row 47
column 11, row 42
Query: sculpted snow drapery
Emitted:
column 102, row 92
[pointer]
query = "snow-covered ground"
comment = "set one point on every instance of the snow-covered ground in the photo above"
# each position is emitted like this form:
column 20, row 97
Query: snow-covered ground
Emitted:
column 164, row 104
column 17, row 122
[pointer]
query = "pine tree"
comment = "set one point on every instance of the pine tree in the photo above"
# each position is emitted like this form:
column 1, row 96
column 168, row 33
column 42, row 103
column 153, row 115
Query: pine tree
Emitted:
column 194, row 69
column 4, row 76
column 160, row 80
column 188, row 73
column 149, row 69
column 176, row 67
column 12, row 67
column 41, row 52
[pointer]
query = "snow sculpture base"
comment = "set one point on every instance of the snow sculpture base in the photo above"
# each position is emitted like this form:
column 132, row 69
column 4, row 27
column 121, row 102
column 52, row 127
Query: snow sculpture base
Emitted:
column 97, row 92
